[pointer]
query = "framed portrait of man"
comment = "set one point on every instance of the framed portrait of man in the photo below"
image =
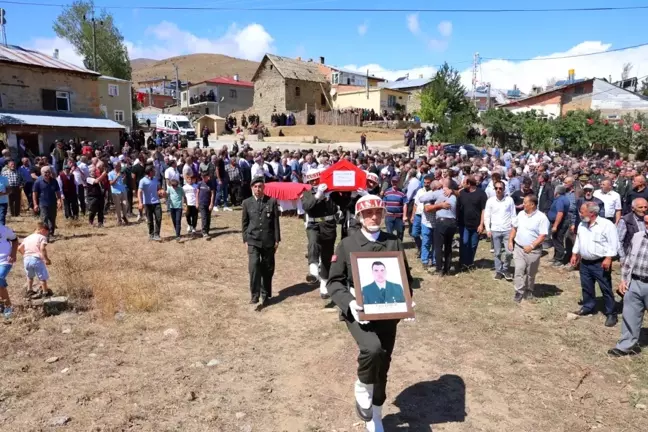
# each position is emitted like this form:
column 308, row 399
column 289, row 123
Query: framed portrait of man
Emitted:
column 381, row 285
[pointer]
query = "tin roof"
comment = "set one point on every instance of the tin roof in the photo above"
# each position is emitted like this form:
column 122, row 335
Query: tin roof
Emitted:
column 16, row 54
column 294, row 69
column 403, row 84
column 17, row 119
column 229, row 81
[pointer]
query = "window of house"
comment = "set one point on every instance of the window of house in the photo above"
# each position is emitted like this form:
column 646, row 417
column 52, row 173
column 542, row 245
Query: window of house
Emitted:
column 119, row 115
column 579, row 90
column 391, row 100
column 113, row 90
column 335, row 78
column 270, row 67
column 348, row 81
column 206, row 111
column 232, row 94
column 297, row 91
column 62, row 101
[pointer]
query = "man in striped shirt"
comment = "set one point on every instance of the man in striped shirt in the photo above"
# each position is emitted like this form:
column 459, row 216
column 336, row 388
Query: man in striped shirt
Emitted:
column 396, row 206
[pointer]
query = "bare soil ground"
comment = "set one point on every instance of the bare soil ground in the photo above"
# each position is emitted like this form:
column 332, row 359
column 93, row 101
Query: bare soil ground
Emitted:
column 340, row 133
column 137, row 357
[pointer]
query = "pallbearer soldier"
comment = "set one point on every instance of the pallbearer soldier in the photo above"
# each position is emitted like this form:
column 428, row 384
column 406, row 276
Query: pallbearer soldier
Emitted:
column 321, row 213
column 261, row 235
column 372, row 188
column 375, row 339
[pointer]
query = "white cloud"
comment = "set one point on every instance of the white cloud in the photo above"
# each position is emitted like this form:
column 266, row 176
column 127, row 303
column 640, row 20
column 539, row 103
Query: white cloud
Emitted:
column 413, row 23
column 48, row 45
column 437, row 44
column 362, row 28
column 504, row 74
column 445, row 28
column 390, row 74
column 250, row 42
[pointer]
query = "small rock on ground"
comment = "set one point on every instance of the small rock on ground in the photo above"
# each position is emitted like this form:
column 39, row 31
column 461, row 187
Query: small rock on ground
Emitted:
column 640, row 406
column 171, row 333
column 66, row 331
column 52, row 360
column 572, row 316
column 240, row 415
column 190, row 396
column 66, row 370
column 60, row 421
column 213, row 362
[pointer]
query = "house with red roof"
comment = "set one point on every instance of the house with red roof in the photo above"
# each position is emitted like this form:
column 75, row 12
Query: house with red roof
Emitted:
column 220, row 96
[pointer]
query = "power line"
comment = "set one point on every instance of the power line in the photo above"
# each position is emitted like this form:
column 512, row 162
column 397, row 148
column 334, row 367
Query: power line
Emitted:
column 374, row 10
column 567, row 56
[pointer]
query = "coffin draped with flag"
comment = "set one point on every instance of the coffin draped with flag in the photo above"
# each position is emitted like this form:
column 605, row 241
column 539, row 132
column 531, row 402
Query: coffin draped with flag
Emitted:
column 343, row 176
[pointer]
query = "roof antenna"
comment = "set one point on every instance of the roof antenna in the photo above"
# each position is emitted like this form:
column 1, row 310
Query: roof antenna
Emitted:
column 3, row 21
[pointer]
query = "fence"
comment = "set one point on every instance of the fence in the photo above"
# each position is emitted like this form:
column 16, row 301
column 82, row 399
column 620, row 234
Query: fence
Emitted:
column 329, row 118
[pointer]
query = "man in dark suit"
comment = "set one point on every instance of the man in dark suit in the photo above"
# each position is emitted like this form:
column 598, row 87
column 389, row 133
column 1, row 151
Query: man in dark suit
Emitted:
column 261, row 235
column 545, row 193
column 381, row 291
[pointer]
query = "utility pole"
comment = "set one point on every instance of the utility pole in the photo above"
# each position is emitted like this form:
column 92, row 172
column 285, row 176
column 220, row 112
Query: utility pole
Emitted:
column 3, row 21
column 175, row 66
column 94, row 39
column 367, row 84
column 488, row 96
column 474, row 77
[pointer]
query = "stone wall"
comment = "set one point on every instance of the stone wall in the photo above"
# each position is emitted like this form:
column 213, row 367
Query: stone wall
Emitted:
column 269, row 92
column 21, row 89
column 310, row 94
column 391, row 124
column 414, row 101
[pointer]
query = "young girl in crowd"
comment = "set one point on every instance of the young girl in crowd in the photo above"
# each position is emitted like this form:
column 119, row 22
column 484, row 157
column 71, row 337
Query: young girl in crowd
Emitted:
column 36, row 260
column 189, row 189
column 174, row 203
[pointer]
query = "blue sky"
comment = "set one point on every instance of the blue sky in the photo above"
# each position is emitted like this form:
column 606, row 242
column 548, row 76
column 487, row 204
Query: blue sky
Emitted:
column 388, row 44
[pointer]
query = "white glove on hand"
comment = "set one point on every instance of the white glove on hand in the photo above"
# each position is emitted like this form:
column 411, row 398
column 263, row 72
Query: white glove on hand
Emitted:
column 320, row 191
column 354, row 308
column 362, row 192
column 411, row 319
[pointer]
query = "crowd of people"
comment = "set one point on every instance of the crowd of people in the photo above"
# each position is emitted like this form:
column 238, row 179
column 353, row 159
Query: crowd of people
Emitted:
column 591, row 210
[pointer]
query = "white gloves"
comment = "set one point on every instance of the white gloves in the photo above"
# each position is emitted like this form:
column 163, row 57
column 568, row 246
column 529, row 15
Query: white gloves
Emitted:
column 354, row 308
column 362, row 192
column 320, row 191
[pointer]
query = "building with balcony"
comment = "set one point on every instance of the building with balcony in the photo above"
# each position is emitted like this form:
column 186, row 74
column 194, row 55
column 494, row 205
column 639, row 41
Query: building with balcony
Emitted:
column 221, row 96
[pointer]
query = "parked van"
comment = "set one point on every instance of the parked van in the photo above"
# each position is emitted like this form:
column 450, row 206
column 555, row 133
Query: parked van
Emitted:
column 171, row 124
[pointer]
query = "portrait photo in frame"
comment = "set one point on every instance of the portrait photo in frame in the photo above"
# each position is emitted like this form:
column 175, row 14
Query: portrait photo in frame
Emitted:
column 381, row 285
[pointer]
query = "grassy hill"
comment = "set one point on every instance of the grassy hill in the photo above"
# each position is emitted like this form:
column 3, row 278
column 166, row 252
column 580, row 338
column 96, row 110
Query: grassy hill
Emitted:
column 193, row 67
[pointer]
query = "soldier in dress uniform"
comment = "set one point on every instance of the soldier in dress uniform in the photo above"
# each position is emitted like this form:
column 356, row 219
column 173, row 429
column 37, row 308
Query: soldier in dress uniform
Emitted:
column 372, row 188
column 375, row 339
column 261, row 235
column 321, row 230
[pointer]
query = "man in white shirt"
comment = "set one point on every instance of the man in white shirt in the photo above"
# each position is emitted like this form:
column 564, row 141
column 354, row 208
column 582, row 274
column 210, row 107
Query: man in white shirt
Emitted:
column 259, row 169
column 597, row 242
column 425, row 222
column 171, row 173
column 611, row 201
column 529, row 229
column 498, row 218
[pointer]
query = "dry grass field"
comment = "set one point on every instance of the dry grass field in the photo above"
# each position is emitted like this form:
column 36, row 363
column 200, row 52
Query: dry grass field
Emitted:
column 162, row 339
column 340, row 133
column 193, row 67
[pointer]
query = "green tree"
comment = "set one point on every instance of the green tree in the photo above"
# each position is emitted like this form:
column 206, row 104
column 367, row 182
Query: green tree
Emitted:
column 644, row 87
column 443, row 103
column 74, row 25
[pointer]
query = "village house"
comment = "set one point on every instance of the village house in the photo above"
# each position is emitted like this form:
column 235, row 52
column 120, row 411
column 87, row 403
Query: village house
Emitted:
column 414, row 87
column 147, row 99
column 596, row 94
column 287, row 85
column 345, row 80
column 378, row 99
column 116, row 100
column 220, row 96
column 43, row 98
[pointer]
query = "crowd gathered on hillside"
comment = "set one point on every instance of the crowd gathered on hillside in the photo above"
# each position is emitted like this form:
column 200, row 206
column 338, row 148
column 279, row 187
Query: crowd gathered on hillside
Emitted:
column 591, row 209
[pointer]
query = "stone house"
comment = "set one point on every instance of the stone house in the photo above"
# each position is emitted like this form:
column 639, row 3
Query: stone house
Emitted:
column 285, row 85
column 43, row 99
column 116, row 100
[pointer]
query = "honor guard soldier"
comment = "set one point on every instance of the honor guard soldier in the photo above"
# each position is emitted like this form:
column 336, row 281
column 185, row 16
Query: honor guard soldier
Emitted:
column 261, row 235
column 321, row 230
column 372, row 189
column 375, row 339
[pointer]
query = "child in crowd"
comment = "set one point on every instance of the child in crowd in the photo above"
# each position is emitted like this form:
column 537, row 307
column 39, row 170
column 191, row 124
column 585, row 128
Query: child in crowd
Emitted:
column 190, row 191
column 205, row 198
column 36, row 260
column 174, row 203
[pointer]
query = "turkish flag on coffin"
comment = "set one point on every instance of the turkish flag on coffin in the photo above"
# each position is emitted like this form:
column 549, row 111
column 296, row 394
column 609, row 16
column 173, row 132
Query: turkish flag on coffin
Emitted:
column 343, row 177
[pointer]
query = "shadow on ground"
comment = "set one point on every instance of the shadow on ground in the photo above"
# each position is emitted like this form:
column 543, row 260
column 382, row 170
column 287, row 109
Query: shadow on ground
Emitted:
column 295, row 290
column 546, row 290
column 428, row 403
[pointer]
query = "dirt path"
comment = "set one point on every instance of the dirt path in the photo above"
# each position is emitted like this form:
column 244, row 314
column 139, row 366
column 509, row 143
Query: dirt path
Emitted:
column 472, row 360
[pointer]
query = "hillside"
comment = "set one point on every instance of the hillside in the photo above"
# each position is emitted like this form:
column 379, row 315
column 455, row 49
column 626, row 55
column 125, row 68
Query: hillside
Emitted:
column 193, row 67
